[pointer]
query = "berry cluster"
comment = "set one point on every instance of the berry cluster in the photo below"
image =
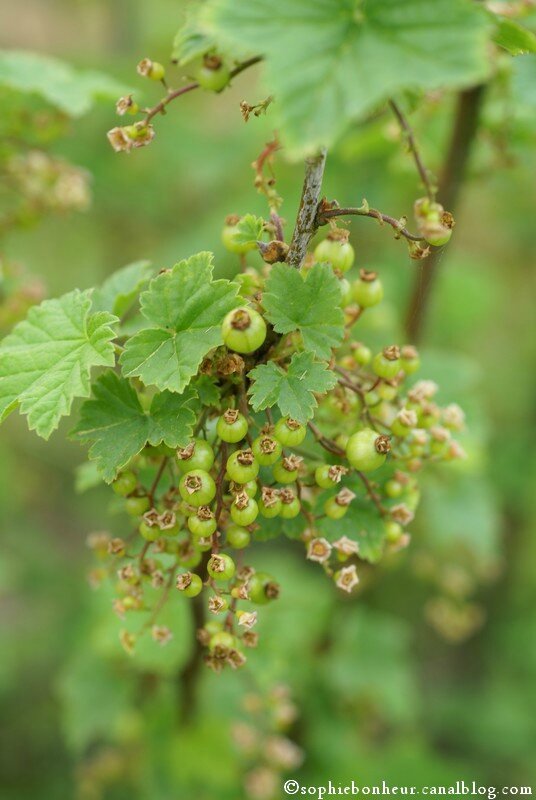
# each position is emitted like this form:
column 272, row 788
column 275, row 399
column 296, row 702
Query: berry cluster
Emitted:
column 199, row 507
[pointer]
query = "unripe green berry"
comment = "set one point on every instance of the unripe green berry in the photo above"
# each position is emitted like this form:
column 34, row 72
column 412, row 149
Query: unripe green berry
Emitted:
column 196, row 455
column 136, row 506
column 192, row 583
column 149, row 532
column 222, row 639
column 289, row 432
column 262, row 588
column 368, row 289
column 221, row 567
column 125, row 483
column 237, row 537
column 242, row 466
column 214, row 75
column 367, row 450
column 387, row 363
column 244, row 510
column 267, row 450
column 197, row 488
column 231, row 426
column 243, row 330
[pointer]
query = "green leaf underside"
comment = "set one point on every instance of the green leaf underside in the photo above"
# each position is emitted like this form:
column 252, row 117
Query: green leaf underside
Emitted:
column 207, row 390
column 292, row 391
column 119, row 291
column 186, row 309
column 310, row 305
column 514, row 38
column 190, row 43
column 118, row 428
column 331, row 61
column 46, row 361
column 361, row 523
column 71, row 91
column 249, row 229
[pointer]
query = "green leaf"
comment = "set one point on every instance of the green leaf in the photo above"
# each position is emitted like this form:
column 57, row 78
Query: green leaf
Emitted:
column 114, row 421
column 292, row 391
column 119, row 291
column 362, row 523
column 190, row 42
column 207, row 390
column 311, row 305
column 514, row 38
column 186, row 308
column 332, row 61
column 71, row 91
column 46, row 361
column 248, row 229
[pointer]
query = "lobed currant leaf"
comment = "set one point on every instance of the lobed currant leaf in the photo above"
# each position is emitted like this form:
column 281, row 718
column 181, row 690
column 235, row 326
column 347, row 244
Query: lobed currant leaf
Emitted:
column 118, row 427
column 311, row 305
column 119, row 291
column 186, row 308
column 207, row 390
column 292, row 391
column 248, row 229
column 46, row 361
column 331, row 61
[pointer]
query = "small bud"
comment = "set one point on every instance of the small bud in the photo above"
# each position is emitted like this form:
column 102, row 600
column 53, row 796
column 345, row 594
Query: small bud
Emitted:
column 126, row 105
column 247, row 619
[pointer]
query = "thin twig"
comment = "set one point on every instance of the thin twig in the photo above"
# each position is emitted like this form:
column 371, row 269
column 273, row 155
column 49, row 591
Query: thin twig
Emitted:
column 414, row 150
column 325, row 215
column 306, row 221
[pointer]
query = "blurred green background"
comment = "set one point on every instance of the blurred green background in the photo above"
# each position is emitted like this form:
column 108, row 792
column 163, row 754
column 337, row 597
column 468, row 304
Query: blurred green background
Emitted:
column 428, row 675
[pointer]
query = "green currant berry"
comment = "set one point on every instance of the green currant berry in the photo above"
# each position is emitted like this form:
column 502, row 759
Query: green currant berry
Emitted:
column 393, row 531
column 214, row 75
column 243, row 330
column 189, row 584
column 197, row 488
column 290, row 504
column 242, row 466
column 213, row 626
column 334, row 510
column 393, row 488
column 262, row 588
column 250, row 488
column 244, row 510
column 368, row 289
column 270, row 503
column 387, row 363
column 202, row 544
column 222, row 639
column 136, row 506
column 386, row 391
column 237, row 537
column 328, row 476
column 362, row 354
column 203, row 523
column 289, row 432
column 221, row 567
column 367, row 450
column 346, row 292
column 372, row 399
column 286, row 471
column 149, row 532
column 196, row 455
column 125, row 483
column 151, row 69
column 232, row 426
column 409, row 361
column 438, row 236
column 336, row 250
column 189, row 556
column 267, row 450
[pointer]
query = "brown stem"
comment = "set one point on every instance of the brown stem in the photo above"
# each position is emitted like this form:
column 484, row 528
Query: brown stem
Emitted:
column 414, row 150
column 325, row 215
column 306, row 222
column 463, row 134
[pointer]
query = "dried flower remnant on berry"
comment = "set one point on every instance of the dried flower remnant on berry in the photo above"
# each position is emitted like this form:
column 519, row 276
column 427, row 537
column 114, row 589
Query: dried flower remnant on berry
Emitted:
column 346, row 546
column 346, row 578
column 247, row 619
column 319, row 550
column 402, row 514
column 161, row 634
